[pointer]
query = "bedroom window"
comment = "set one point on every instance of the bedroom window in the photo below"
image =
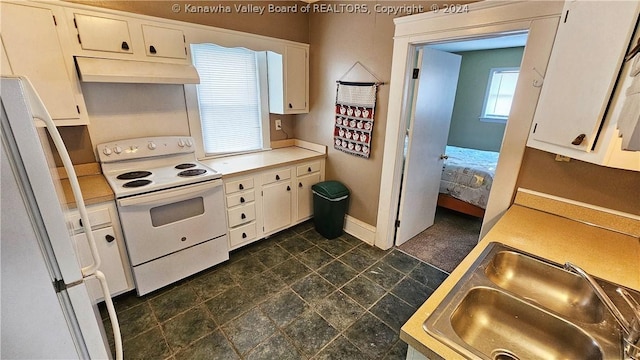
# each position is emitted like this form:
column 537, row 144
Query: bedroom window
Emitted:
column 231, row 95
column 499, row 94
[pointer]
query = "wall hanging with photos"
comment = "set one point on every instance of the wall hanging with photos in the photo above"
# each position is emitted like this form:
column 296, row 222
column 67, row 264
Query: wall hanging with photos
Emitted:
column 354, row 115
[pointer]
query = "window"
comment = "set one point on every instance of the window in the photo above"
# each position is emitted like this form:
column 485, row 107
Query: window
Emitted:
column 230, row 98
column 499, row 95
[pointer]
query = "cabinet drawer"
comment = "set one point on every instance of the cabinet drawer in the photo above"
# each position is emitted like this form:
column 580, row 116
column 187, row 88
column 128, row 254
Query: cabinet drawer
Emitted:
column 241, row 215
column 242, row 234
column 276, row 175
column 308, row 168
column 97, row 218
column 240, row 198
column 238, row 185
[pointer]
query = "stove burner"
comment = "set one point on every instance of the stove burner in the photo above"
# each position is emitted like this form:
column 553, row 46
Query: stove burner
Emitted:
column 136, row 183
column 133, row 175
column 192, row 172
column 185, row 166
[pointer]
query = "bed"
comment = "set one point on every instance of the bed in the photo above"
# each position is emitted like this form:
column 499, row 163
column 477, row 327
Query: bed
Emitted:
column 467, row 176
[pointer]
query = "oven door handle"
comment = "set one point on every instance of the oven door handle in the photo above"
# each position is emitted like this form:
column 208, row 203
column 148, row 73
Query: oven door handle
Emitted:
column 168, row 196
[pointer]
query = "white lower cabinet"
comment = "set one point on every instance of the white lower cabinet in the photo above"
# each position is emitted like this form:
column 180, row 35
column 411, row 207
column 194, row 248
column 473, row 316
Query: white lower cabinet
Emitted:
column 110, row 244
column 308, row 175
column 264, row 202
column 241, row 210
column 276, row 206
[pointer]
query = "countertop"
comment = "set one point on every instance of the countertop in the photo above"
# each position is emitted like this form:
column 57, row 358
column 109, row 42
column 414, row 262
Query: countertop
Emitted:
column 93, row 185
column 293, row 151
column 607, row 254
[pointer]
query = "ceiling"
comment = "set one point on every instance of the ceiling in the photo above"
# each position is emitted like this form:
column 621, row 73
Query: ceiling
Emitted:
column 494, row 42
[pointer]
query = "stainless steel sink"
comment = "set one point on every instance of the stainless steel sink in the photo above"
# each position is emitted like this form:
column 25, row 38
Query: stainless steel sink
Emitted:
column 504, row 327
column 513, row 305
column 561, row 291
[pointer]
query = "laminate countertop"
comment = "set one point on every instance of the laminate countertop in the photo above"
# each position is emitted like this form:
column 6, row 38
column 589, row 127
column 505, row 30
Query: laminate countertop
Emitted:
column 93, row 185
column 239, row 164
column 612, row 255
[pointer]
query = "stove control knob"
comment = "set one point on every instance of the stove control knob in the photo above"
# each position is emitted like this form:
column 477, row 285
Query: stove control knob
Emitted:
column 189, row 143
column 106, row 151
column 117, row 149
column 152, row 145
column 181, row 143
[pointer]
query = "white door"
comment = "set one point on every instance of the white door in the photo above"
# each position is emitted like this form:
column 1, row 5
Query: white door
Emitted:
column 427, row 139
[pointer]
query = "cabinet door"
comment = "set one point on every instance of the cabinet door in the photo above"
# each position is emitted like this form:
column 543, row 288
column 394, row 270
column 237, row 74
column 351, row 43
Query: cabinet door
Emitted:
column 164, row 42
column 111, row 263
column 276, row 205
column 305, row 196
column 103, row 34
column 590, row 44
column 296, row 87
column 33, row 49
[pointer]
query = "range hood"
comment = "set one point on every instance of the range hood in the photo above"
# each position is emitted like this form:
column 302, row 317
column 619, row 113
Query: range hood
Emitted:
column 131, row 71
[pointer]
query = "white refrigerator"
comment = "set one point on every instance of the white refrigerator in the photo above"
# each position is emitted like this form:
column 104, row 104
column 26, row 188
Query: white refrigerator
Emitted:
column 45, row 309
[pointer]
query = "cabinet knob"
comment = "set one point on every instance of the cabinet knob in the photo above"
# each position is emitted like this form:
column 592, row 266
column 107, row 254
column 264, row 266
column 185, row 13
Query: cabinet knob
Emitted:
column 184, row 238
column 241, row 187
column 125, row 46
column 80, row 222
column 309, row 169
column 109, row 238
column 152, row 49
column 244, row 235
column 579, row 139
column 290, row 106
column 300, row 185
column 277, row 177
column 243, row 216
column 242, row 200
column 288, row 188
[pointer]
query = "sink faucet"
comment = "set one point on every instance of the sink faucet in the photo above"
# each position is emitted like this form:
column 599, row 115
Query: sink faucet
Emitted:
column 631, row 328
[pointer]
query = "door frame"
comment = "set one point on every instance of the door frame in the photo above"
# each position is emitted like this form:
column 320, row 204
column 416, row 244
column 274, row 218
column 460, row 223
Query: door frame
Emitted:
column 483, row 19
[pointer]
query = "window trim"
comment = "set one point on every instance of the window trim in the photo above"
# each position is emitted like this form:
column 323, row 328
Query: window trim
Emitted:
column 193, row 113
column 495, row 118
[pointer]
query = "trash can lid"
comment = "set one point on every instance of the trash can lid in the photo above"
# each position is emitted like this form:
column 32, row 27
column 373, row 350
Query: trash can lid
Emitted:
column 330, row 189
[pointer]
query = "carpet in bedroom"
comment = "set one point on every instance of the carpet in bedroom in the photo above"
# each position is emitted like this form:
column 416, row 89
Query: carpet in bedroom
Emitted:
column 447, row 242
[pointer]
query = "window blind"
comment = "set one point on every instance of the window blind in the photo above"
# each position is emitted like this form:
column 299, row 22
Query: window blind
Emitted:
column 229, row 98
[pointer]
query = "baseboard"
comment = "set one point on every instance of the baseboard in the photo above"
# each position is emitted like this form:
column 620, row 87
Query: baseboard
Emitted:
column 359, row 229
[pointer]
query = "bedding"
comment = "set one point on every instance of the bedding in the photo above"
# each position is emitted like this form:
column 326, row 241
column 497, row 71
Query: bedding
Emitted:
column 467, row 174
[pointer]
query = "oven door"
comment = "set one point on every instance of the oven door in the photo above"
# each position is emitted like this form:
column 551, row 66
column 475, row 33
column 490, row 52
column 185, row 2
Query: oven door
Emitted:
column 163, row 222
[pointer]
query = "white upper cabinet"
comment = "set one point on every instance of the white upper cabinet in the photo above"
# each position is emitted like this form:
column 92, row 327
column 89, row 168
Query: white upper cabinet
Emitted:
column 126, row 38
column 585, row 63
column 103, row 34
column 36, row 51
column 164, row 42
column 289, row 80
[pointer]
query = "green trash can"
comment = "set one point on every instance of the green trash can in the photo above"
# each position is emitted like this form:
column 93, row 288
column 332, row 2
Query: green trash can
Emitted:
column 330, row 200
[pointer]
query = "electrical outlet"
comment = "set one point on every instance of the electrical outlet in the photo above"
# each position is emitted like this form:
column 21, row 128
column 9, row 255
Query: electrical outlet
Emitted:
column 278, row 124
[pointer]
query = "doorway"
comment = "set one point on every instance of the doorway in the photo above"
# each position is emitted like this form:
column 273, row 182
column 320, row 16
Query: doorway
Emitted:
column 487, row 19
column 458, row 113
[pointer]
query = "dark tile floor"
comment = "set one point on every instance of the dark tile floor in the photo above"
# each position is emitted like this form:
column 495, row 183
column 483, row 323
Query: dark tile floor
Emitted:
column 295, row 295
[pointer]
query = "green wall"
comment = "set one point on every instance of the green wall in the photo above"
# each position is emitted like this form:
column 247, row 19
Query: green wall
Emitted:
column 466, row 128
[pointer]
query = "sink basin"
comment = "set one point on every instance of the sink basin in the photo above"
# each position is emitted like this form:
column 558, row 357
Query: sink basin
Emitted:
column 501, row 326
column 560, row 291
column 513, row 305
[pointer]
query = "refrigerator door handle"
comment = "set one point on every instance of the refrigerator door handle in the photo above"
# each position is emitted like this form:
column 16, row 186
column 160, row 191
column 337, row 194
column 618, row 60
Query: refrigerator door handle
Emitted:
column 115, row 326
column 41, row 113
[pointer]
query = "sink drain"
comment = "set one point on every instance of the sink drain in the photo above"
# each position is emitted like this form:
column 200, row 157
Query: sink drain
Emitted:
column 503, row 355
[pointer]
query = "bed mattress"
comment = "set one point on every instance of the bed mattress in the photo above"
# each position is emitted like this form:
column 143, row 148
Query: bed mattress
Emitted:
column 467, row 174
